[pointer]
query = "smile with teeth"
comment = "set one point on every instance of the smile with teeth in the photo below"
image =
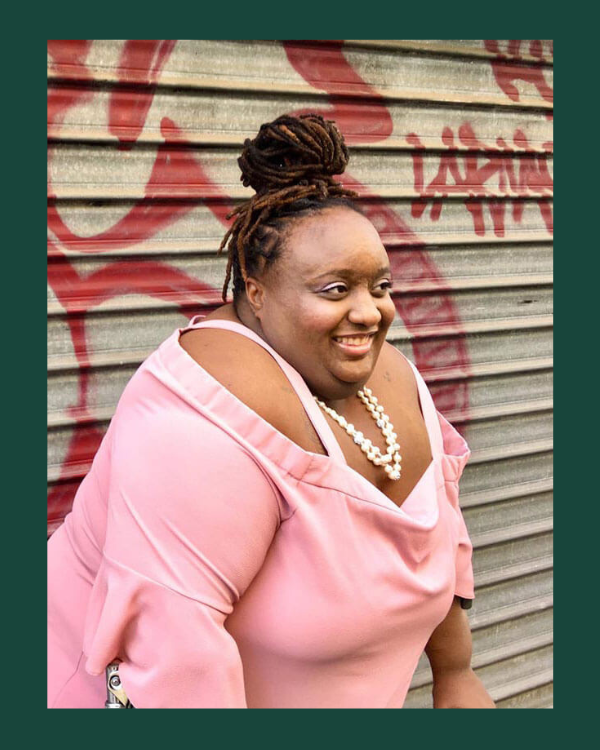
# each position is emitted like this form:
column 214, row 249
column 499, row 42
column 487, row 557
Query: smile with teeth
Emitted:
column 353, row 340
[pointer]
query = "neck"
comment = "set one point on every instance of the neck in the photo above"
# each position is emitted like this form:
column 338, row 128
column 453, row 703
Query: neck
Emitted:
column 244, row 313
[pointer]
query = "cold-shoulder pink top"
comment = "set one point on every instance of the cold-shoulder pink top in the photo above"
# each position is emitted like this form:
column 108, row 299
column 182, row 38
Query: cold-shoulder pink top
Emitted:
column 229, row 568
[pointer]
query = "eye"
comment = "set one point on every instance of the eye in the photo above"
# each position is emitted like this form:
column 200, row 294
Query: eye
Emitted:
column 384, row 286
column 335, row 289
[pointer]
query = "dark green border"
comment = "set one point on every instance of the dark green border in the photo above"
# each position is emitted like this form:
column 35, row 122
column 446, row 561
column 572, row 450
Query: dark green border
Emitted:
column 24, row 606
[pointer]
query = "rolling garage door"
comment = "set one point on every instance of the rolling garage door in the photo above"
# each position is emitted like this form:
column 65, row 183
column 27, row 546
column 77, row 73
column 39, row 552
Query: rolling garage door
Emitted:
column 451, row 152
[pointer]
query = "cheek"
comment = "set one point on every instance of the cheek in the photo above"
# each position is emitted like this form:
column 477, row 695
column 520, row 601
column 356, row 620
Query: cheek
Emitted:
column 315, row 319
column 388, row 312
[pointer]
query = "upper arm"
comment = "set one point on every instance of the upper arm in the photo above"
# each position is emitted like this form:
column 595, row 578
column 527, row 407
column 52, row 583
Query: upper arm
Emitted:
column 450, row 645
column 183, row 492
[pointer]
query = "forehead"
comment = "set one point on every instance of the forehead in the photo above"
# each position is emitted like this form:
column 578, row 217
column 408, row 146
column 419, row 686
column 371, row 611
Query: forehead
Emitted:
column 333, row 239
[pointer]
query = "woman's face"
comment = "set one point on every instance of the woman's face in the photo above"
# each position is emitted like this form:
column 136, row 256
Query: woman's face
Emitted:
column 324, row 305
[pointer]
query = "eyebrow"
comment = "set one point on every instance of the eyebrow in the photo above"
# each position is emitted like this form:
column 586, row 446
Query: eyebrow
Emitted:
column 347, row 273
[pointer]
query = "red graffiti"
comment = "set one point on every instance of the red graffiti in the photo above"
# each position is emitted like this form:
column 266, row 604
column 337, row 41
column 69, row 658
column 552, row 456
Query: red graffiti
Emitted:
column 141, row 62
column 506, row 71
column 325, row 67
column 68, row 59
column 175, row 173
column 78, row 295
column 460, row 173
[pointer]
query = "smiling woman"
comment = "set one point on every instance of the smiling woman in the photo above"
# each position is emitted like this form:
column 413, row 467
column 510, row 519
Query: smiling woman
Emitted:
column 272, row 520
column 334, row 276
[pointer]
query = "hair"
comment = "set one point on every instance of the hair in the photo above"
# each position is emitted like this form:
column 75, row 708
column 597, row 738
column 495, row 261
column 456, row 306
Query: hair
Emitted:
column 290, row 164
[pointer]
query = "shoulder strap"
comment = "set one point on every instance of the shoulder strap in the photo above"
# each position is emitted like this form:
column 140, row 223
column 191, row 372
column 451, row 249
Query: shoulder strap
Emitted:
column 312, row 409
column 429, row 411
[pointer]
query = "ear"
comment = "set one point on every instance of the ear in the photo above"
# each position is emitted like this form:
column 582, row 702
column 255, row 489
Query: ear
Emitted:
column 255, row 294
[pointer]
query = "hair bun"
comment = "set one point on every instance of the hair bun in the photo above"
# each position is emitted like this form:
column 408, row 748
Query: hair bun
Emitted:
column 293, row 150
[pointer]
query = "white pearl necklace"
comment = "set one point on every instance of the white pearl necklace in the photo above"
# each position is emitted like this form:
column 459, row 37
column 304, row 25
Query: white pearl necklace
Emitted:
column 371, row 451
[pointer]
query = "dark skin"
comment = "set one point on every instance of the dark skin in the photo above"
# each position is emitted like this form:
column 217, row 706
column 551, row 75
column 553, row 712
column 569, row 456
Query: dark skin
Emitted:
column 328, row 292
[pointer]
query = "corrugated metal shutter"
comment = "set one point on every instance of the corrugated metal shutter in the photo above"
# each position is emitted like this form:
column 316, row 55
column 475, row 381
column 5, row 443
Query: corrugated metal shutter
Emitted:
column 451, row 144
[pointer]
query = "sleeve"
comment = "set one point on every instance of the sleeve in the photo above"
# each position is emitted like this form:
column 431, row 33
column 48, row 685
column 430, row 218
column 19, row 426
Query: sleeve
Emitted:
column 191, row 516
column 455, row 455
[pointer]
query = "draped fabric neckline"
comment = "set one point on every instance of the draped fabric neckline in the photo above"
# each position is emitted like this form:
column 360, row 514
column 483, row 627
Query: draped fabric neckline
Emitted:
column 419, row 508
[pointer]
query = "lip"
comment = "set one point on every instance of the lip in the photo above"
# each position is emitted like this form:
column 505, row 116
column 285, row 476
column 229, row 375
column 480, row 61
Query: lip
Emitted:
column 355, row 349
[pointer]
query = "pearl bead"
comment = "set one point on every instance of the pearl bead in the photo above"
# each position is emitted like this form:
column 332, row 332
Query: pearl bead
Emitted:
column 372, row 452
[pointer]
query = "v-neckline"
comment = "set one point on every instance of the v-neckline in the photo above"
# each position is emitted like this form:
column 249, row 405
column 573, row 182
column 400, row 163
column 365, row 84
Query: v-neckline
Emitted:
column 388, row 502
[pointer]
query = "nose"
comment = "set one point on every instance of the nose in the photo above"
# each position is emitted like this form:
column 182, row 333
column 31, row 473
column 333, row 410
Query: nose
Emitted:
column 364, row 310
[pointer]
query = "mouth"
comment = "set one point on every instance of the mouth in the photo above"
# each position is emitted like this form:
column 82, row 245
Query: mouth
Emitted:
column 356, row 345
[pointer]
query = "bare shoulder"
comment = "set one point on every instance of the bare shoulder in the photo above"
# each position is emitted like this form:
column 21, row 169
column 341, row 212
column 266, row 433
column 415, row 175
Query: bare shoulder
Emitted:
column 238, row 363
column 251, row 374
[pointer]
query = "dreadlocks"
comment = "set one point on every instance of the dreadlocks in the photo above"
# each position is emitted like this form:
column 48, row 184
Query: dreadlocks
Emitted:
column 289, row 164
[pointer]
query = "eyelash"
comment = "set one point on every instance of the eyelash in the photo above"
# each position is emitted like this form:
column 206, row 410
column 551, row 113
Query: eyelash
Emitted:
column 384, row 285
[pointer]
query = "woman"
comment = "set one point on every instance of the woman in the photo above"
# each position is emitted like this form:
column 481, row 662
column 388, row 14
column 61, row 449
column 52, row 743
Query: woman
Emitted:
column 272, row 519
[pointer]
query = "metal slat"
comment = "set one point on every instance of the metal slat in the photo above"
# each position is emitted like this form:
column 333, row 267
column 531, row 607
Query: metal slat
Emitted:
column 260, row 67
column 104, row 173
column 508, row 477
column 511, row 598
column 449, row 270
column 227, row 118
column 505, row 492
column 508, row 306
column 509, row 519
column 466, row 47
column 198, row 230
column 539, row 697
column 513, row 559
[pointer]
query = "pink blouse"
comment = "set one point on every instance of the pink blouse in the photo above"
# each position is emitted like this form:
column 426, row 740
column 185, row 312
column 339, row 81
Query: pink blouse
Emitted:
column 229, row 568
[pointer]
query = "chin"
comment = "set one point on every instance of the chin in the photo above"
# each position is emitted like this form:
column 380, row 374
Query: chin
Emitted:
column 356, row 375
column 347, row 384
